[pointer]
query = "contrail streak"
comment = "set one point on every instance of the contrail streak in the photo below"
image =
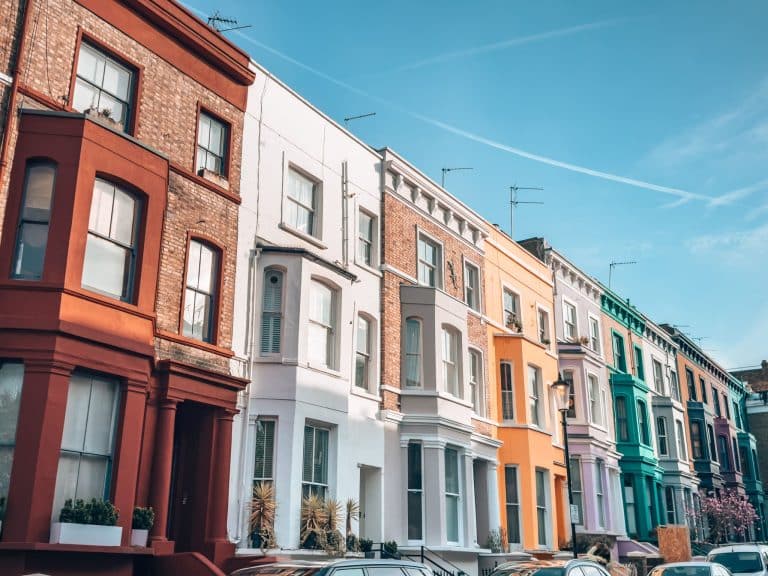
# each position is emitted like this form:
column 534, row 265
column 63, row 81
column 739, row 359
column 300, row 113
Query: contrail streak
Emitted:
column 495, row 46
column 683, row 194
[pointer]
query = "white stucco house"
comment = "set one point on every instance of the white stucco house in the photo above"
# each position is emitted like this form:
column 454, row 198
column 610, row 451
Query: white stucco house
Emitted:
column 306, row 315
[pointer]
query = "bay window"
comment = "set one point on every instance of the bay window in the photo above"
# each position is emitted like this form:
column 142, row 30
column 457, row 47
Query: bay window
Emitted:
column 451, row 368
column 321, row 341
column 412, row 353
column 34, row 220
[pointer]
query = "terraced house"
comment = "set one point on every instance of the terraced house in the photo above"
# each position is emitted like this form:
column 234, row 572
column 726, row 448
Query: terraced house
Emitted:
column 594, row 460
column 117, row 260
column 723, row 449
column 441, row 449
column 307, row 320
column 522, row 364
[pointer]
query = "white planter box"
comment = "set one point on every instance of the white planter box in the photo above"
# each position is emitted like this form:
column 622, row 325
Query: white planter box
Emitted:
column 86, row 534
column 139, row 537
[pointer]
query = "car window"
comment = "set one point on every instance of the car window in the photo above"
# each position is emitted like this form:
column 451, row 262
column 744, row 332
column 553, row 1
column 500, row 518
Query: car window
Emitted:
column 549, row 571
column 356, row 571
column 416, row 572
column 576, row 571
column 690, row 570
column 739, row 561
column 384, row 570
column 591, row 570
column 284, row 570
column 720, row 571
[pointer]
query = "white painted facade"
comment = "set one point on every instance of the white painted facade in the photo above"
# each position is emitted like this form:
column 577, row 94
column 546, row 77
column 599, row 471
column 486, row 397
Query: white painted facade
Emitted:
column 301, row 282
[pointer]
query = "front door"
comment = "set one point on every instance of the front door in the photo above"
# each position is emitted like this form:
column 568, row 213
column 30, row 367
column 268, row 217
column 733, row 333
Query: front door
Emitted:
column 189, row 480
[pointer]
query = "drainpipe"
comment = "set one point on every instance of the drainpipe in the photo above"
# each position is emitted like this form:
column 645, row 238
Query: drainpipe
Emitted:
column 345, row 214
column 11, row 110
column 251, row 331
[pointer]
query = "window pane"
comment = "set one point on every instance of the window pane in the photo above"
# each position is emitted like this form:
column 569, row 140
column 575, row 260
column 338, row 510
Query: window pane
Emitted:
column 38, row 192
column 66, row 481
column 101, row 413
column 105, row 266
column 123, row 218
column 208, row 263
column 321, row 297
column 264, row 449
column 11, row 381
column 85, row 96
column 216, row 143
column 204, row 130
column 117, row 80
column 30, row 258
column 362, row 335
column 451, row 471
column 90, row 64
column 76, row 418
column 414, row 516
column 92, row 477
column 101, row 207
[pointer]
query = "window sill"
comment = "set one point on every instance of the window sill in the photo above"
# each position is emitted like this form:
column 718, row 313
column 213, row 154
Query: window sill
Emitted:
column 304, row 236
column 218, row 179
column 187, row 341
column 373, row 270
column 362, row 393
column 473, row 312
column 88, row 294
column 484, row 419
column 324, row 370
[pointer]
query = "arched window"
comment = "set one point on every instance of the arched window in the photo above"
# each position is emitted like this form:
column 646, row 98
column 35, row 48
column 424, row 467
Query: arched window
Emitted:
column 201, row 291
column 111, row 248
column 272, row 312
column 412, row 353
column 34, row 220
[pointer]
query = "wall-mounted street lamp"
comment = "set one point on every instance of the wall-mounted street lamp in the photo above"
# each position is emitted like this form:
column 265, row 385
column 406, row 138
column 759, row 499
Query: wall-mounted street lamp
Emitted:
column 562, row 390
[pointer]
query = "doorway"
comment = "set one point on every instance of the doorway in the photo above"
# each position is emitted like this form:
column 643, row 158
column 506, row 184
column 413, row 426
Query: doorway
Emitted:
column 190, row 476
column 370, row 503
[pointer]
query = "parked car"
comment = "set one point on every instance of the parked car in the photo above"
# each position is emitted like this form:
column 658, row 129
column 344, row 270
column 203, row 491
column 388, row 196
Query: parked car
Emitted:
column 576, row 567
column 342, row 567
column 742, row 559
column 690, row 569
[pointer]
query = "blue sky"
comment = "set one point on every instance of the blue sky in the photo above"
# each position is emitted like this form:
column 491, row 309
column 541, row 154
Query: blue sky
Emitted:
column 646, row 123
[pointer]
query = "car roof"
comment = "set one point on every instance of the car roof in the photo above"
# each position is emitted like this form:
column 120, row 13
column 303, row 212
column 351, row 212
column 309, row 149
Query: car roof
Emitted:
column 739, row 548
column 691, row 563
column 533, row 564
column 338, row 562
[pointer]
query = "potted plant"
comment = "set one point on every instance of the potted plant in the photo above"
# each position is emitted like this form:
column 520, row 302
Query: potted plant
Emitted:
column 91, row 523
column 513, row 322
column 366, row 547
column 389, row 550
column 143, row 520
column 262, row 518
column 584, row 340
column 313, row 523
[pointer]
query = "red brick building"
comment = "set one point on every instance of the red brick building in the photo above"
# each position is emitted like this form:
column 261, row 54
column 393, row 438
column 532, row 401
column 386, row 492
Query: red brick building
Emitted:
column 119, row 188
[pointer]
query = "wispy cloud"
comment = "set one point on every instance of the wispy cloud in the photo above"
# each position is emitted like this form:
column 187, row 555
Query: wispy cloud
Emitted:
column 496, row 46
column 650, row 186
column 736, row 138
column 734, row 246
column 755, row 213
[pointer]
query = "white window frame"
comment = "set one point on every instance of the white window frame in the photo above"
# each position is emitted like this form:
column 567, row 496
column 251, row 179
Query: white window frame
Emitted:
column 456, row 495
column 518, row 302
column 546, row 508
column 596, row 408
column 600, row 492
column 670, row 490
column 419, row 491
column 367, row 355
column 568, row 305
column 130, row 104
column 316, row 232
column 596, row 339
column 419, row 355
column 508, row 394
column 332, row 329
column 577, row 484
column 658, row 384
column 273, row 316
column 674, row 385
column 665, row 436
column 313, row 482
column 569, row 375
column 256, row 423
column 456, row 363
column 476, row 294
column 477, row 382
column 422, row 236
column 536, row 398
column 206, row 151
column 371, row 243
column 544, row 331
column 682, row 449
column 514, row 503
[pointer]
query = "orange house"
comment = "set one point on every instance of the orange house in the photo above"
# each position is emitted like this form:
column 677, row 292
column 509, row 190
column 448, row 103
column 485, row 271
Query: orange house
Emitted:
column 522, row 365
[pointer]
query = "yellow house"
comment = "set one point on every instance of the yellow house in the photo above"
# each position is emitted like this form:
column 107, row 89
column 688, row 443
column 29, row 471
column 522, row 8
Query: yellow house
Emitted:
column 522, row 365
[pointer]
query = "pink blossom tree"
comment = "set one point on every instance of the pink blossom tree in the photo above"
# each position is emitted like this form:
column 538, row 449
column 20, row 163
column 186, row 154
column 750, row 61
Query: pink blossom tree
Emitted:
column 729, row 514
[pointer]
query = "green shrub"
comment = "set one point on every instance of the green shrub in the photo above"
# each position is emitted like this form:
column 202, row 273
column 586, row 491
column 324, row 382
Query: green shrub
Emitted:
column 143, row 518
column 389, row 550
column 98, row 512
column 366, row 545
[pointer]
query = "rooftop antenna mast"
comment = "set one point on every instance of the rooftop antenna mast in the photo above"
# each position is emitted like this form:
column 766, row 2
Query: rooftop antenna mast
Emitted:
column 446, row 170
column 514, row 203
column 348, row 118
column 613, row 265
column 216, row 20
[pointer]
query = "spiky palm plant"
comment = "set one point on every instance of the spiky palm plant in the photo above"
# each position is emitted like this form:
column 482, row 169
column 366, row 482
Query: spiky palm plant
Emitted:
column 262, row 517
column 353, row 513
column 313, row 522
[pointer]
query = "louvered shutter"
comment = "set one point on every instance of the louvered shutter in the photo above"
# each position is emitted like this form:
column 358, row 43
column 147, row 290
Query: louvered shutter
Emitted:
column 271, row 318
column 309, row 452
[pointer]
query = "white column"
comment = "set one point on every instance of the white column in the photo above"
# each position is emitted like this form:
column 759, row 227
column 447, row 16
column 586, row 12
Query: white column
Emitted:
column 404, row 489
column 468, row 495
column 434, row 493
column 492, row 480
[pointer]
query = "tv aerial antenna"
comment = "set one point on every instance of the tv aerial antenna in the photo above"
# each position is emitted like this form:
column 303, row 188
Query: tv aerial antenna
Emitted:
column 222, row 24
column 514, row 203
column 446, row 170
column 613, row 265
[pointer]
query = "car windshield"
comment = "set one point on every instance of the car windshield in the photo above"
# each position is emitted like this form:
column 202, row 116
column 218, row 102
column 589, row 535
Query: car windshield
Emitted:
column 739, row 561
column 683, row 571
column 285, row 570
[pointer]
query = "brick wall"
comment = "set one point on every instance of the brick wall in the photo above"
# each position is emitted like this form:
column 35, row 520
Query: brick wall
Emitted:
column 399, row 246
column 167, row 109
